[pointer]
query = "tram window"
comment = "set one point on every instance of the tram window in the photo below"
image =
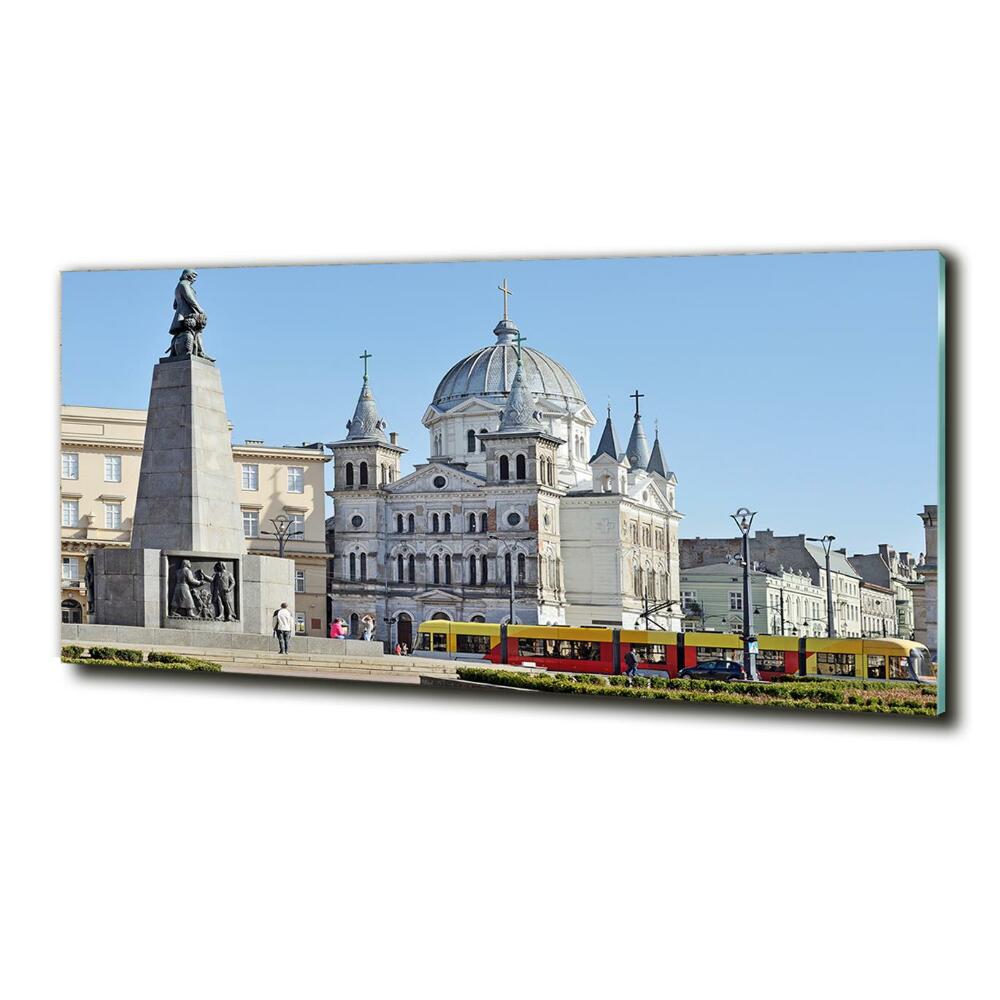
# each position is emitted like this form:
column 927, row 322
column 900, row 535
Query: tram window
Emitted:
column 771, row 659
column 650, row 653
column 706, row 653
column 898, row 668
column 876, row 667
column 472, row 643
column 439, row 642
column 835, row 664
column 423, row 642
column 559, row 649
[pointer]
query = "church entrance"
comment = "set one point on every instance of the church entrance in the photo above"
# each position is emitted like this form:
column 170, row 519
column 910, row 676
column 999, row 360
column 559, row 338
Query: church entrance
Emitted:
column 404, row 630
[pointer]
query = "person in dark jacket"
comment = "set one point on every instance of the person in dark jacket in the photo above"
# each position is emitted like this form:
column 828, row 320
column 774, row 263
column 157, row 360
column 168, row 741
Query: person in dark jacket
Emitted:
column 631, row 664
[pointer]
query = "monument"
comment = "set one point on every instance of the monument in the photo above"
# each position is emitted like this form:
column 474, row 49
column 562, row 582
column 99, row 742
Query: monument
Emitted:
column 188, row 567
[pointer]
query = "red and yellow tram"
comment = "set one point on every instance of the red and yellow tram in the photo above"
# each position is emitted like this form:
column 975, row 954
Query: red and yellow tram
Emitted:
column 602, row 650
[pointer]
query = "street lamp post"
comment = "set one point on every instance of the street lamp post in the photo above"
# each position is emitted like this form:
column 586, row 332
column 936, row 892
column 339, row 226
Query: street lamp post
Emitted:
column 282, row 531
column 827, row 541
column 744, row 519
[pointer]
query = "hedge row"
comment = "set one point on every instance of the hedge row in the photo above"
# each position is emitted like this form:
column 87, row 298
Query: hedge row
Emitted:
column 108, row 656
column 813, row 696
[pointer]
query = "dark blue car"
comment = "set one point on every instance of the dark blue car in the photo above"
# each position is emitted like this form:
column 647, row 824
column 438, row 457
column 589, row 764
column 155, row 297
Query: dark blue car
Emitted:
column 714, row 670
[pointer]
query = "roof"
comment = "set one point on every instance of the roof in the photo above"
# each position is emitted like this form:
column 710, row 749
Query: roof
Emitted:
column 608, row 445
column 839, row 563
column 637, row 449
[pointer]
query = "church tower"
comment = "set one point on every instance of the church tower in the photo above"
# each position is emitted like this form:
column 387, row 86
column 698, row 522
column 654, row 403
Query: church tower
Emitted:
column 365, row 464
column 523, row 476
column 365, row 459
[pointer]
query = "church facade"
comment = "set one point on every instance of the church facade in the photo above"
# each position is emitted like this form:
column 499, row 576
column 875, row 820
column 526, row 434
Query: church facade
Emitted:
column 511, row 509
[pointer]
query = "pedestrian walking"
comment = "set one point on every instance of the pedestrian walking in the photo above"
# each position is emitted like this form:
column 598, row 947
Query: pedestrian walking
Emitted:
column 398, row 650
column 631, row 664
column 283, row 623
column 336, row 629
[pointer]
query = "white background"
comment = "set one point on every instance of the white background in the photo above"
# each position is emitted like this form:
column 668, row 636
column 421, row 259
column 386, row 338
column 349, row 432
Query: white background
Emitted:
column 212, row 838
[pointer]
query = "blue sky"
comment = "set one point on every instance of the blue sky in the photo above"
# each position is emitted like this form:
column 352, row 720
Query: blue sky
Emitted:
column 803, row 386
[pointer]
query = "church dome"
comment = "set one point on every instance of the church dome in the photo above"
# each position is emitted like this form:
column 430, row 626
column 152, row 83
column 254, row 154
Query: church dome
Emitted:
column 489, row 373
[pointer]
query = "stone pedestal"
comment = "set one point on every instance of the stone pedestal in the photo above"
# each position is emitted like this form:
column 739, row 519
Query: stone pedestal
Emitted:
column 187, row 499
column 187, row 522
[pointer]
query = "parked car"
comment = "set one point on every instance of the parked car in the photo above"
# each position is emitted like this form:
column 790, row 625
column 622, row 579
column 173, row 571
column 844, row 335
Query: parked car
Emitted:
column 714, row 670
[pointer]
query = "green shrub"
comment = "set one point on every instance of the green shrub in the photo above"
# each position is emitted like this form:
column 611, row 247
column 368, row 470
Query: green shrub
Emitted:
column 828, row 695
column 111, row 653
column 164, row 657
column 72, row 652
column 188, row 664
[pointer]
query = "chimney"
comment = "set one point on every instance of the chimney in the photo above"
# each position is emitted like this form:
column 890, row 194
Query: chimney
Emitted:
column 392, row 437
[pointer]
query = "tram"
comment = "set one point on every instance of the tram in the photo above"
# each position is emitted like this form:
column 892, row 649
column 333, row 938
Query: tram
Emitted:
column 602, row 650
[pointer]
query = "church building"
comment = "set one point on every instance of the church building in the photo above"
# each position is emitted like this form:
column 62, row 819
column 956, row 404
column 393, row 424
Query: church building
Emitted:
column 511, row 509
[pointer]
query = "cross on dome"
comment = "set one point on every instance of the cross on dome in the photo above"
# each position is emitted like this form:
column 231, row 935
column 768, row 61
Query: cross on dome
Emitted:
column 506, row 291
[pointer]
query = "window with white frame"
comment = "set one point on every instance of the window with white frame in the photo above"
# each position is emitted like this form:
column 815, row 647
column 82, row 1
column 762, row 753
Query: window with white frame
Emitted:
column 112, row 468
column 296, row 523
column 70, row 465
column 735, row 600
column 296, row 479
column 112, row 515
column 251, row 476
column 300, row 581
column 251, row 524
column 689, row 600
column 70, row 569
column 70, row 513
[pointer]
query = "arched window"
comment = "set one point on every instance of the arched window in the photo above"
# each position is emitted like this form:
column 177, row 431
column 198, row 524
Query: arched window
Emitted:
column 349, row 475
column 364, row 566
column 506, row 568
column 437, row 569
column 482, row 523
column 435, row 524
column 72, row 612
column 355, row 625
column 399, row 567
column 363, row 474
column 409, row 523
column 472, row 570
column 447, row 524
column 484, row 570
column 352, row 562
column 470, row 438
column 504, row 467
column 399, row 524
column 472, row 524
column 385, row 474
column 411, row 569
column 522, row 567
column 520, row 467
column 478, row 618
column 482, row 443
column 447, row 569
column 392, row 474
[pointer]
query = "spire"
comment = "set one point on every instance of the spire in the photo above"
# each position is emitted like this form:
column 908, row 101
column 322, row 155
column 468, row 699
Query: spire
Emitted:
column 656, row 463
column 366, row 423
column 637, row 450
column 608, row 444
column 506, row 328
column 520, row 412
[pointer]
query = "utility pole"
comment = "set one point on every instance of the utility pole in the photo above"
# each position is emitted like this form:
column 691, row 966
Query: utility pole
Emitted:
column 782, row 592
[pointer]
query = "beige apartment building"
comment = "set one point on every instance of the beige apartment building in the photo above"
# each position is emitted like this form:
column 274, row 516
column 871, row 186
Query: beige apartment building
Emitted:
column 101, row 455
